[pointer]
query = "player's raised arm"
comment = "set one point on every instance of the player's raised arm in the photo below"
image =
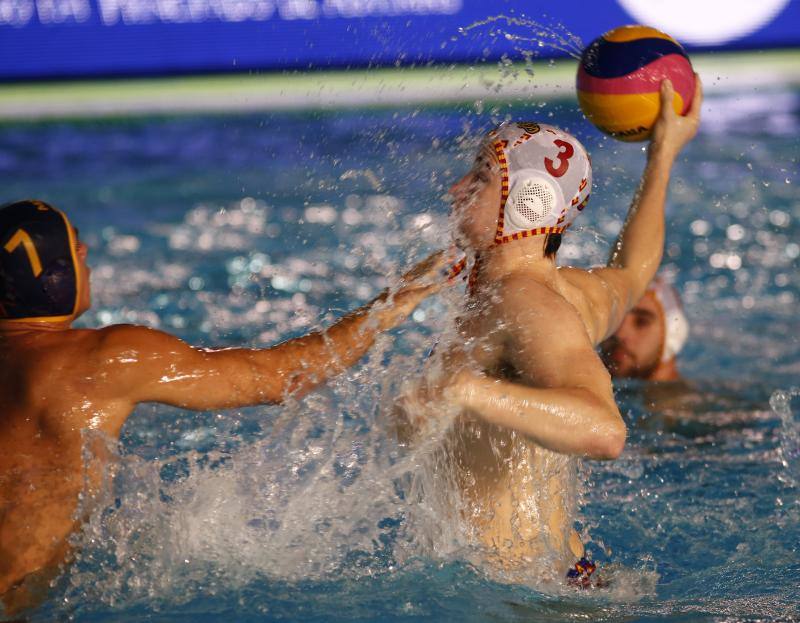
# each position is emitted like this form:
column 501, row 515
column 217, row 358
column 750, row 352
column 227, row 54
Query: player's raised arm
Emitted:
column 636, row 255
column 146, row 365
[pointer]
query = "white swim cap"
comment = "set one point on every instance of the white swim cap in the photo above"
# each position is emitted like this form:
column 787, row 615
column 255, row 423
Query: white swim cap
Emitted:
column 546, row 179
column 676, row 327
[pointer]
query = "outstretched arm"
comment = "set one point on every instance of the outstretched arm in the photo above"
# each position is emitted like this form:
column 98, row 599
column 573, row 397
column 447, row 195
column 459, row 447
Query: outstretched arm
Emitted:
column 637, row 252
column 145, row 365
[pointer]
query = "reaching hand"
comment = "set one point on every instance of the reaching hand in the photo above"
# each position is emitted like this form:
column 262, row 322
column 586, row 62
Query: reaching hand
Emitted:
column 428, row 269
column 672, row 131
column 426, row 278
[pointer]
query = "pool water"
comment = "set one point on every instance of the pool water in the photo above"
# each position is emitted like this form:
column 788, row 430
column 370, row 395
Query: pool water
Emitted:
column 229, row 230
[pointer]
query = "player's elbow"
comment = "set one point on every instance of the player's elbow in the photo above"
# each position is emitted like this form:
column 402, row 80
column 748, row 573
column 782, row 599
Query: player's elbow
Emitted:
column 608, row 440
column 617, row 436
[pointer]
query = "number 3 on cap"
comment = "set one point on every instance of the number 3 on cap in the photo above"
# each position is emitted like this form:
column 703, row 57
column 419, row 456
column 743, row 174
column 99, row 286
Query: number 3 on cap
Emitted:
column 562, row 157
column 22, row 237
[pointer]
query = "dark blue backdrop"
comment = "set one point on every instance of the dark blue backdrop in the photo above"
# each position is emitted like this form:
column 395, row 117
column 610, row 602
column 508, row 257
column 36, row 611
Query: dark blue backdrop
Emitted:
column 73, row 38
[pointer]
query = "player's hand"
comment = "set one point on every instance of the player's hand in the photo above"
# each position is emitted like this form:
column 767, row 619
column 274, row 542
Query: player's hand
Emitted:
column 672, row 131
column 427, row 399
column 415, row 408
column 426, row 278
column 462, row 387
column 429, row 269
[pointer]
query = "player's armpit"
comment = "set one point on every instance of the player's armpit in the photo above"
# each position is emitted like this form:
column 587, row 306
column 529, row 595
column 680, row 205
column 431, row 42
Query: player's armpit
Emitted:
column 610, row 293
column 613, row 292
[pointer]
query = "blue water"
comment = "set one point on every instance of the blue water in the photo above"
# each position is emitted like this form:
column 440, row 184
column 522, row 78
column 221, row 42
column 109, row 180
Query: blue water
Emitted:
column 250, row 229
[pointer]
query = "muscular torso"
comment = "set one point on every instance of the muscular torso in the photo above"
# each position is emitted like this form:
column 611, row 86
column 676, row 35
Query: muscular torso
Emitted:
column 518, row 498
column 49, row 394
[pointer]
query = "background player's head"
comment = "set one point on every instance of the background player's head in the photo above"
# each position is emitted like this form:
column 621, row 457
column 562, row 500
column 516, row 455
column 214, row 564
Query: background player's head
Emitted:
column 528, row 179
column 43, row 271
column 650, row 337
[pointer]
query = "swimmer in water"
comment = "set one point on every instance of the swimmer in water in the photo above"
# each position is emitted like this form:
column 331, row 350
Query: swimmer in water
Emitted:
column 647, row 343
column 521, row 378
column 56, row 381
column 645, row 347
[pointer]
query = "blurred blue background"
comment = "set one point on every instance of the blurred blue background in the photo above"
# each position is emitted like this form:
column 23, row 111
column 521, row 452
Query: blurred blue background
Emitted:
column 88, row 38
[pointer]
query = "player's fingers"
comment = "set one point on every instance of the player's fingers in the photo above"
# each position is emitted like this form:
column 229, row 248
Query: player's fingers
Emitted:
column 410, row 296
column 435, row 261
column 423, row 292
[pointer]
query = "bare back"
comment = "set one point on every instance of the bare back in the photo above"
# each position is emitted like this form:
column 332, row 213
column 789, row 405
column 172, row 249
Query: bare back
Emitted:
column 48, row 395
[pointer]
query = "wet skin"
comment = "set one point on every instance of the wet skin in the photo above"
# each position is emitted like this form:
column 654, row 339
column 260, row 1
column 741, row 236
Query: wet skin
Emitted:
column 57, row 382
column 516, row 492
column 523, row 371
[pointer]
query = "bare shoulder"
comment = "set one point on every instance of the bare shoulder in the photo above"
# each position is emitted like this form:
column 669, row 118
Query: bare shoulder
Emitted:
column 590, row 283
column 541, row 309
column 130, row 356
column 129, row 333
column 551, row 344
column 129, row 339
column 519, row 289
column 130, row 360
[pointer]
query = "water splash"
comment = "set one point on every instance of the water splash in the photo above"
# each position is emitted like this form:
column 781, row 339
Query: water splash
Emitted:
column 530, row 39
column 325, row 492
column 789, row 448
column 531, row 34
column 367, row 174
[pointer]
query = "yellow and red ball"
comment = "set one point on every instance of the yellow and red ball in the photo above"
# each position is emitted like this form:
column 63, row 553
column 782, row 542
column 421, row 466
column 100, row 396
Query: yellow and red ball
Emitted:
column 619, row 78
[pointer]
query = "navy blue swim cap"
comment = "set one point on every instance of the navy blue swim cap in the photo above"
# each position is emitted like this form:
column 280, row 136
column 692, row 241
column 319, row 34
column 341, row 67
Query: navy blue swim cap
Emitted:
column 39, row 277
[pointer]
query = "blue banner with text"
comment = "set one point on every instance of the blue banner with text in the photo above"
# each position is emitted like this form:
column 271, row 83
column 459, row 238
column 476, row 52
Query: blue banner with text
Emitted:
column 86, row 38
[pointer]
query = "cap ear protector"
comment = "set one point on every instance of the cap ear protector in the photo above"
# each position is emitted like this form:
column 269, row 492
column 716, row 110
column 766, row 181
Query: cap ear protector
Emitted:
column 39, row 276
column 531, row 199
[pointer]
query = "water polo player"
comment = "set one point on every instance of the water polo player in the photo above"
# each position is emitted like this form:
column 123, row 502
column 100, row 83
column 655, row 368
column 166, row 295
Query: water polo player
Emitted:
column 646, row 344
column 56, row 381
column 522, row 379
